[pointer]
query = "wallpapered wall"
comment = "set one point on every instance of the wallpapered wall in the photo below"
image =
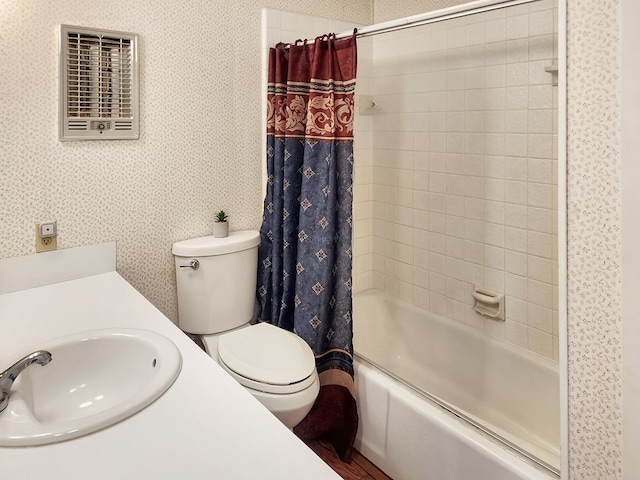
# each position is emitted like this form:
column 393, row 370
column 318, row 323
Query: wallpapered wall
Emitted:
column 594, row 236
column 200, row 142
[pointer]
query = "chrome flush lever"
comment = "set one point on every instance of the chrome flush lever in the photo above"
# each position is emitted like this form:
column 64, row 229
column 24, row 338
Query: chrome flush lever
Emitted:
column 193, row 264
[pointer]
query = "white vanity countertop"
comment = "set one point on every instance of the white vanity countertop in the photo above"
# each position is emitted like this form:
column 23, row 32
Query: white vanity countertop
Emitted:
column 205, row 426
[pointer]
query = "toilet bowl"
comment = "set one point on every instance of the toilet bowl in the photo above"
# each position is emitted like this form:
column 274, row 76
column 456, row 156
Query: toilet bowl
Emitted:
column 216, row 280
column 273, row 365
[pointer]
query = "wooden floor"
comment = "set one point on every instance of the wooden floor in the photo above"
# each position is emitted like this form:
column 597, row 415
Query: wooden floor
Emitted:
column 359, row 469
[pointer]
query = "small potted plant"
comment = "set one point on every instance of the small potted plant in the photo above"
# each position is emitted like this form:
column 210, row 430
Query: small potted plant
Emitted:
column 221, row 226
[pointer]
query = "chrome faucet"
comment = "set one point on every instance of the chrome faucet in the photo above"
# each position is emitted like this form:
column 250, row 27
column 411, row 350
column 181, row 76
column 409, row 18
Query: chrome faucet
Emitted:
column 41, row 357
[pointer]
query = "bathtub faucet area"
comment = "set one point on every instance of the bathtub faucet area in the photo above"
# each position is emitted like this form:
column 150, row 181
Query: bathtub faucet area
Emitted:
column 41, row 357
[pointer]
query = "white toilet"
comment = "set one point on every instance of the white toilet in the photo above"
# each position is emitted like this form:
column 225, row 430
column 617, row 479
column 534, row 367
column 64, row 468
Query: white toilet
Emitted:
column 216, row 280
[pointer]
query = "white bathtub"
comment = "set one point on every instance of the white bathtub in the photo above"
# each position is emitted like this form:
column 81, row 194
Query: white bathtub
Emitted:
column 505, row 390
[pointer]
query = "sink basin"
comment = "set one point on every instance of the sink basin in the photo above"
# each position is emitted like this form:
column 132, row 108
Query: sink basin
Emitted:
column 95, row 379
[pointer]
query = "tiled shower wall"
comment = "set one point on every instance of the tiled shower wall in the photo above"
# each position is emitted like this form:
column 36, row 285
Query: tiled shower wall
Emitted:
column 456, row 181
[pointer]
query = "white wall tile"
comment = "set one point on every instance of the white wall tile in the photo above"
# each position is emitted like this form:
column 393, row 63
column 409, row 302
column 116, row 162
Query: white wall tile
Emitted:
column 540, row 244
column 463, row 153
column 473, row 230
column 517, row 74
column 541, row 23
column 517, row 50
column 495, row 30
column 539, row 195
column 494, row 98
column 540, row 170
column 516, row 121
column 494, row 328
column 517, row 27
column 515, row 192
column 517, row 333
column 516, row 286
column 517, row 98
column 540, row 342
column 493, row 279
column 474, row 34
column 474, row 208
column 540, row 96
column 539, row 293
column 541, row 47
column 540, row 146
column 495, row 53
column 473, row 273
column 516, row 262
column 541, row 220
column 540, row 268
column 494, row 257
column 494, row 234
column 515, row 215
column 473, row 252
column 515, row 239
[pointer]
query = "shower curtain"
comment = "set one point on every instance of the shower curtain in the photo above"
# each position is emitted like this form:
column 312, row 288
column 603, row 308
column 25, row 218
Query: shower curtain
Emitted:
column 305, row 255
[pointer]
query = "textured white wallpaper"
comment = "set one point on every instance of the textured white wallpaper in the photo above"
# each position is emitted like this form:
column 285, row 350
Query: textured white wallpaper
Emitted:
column 594, row 235
column 200, row 142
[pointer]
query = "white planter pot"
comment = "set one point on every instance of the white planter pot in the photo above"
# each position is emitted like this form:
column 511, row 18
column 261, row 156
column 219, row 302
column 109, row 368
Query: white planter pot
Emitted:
column 220, row 229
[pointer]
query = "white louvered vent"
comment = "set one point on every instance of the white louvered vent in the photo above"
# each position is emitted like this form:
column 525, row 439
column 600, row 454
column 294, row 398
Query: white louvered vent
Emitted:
column 98, row 84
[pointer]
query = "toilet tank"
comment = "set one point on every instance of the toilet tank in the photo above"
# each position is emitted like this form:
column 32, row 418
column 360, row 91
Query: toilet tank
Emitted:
column 220, row 293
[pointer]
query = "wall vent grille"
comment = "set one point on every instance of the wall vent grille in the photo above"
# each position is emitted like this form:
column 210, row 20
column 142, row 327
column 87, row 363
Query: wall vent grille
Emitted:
column 98, row 84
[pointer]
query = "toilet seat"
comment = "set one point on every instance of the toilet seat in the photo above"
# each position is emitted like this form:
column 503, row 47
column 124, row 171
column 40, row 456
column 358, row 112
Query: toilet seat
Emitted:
column 268, row 359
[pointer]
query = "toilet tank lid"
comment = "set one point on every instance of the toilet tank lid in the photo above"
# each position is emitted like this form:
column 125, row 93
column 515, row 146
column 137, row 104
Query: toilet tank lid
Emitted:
column 209, row 246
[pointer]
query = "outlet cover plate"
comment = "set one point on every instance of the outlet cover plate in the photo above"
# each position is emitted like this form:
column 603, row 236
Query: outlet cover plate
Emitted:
column 46, row 244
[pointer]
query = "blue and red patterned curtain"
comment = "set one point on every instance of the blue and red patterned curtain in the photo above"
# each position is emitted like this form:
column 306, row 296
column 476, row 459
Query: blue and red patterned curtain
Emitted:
column 304, row 274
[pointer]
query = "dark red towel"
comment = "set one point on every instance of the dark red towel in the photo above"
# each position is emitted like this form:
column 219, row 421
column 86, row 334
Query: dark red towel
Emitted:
column 333, row 417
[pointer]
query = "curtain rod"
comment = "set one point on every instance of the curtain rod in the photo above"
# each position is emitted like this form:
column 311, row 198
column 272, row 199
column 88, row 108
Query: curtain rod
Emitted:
column 435, row 16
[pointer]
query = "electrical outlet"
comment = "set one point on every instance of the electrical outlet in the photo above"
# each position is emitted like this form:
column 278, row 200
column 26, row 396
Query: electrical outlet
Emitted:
column 46, row 244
